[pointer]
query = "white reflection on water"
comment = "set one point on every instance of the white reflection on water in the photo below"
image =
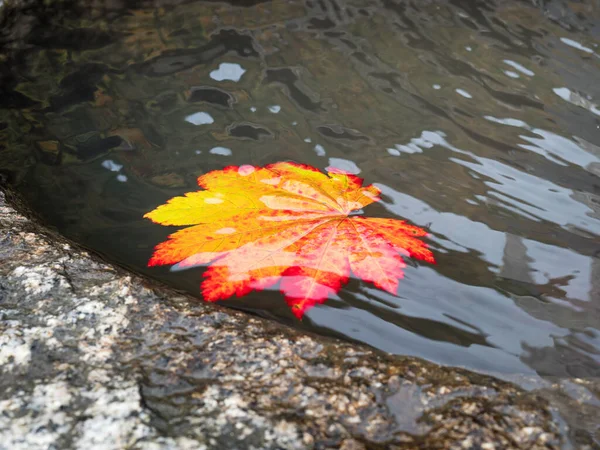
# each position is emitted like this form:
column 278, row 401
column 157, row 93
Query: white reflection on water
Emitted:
column 460, row 233
column 549, row 262
column 506, row 325
column 521, row 68
column 575, row 44
column 505, row 321
column 532, row 196
column 228, row 72
column 319, row 150
column 551, row 146
column 200, row 118
column 111, row 165
column 522, row 193
column 223, row 151
column 343, row 164
column 576, row 99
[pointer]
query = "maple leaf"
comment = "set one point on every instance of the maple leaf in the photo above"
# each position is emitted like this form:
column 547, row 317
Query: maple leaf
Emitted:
column 287, row 223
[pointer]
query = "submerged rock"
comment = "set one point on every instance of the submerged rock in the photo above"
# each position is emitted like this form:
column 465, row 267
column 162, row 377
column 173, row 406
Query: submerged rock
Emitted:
column 94, row 357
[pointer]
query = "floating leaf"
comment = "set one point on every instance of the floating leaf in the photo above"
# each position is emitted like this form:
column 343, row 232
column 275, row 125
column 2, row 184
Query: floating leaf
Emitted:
column 286, row 223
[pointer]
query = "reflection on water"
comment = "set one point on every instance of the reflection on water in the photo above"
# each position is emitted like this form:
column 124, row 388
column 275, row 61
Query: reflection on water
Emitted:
column 477, row 120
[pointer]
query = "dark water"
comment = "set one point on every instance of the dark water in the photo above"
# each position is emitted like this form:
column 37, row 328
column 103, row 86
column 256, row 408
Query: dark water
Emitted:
column 477, row 120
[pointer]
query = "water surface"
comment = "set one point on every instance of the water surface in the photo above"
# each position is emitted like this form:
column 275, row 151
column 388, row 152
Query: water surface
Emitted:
column 479, row 121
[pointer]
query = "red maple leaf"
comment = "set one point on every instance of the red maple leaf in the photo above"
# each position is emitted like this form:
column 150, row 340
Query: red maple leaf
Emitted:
column 287, row 223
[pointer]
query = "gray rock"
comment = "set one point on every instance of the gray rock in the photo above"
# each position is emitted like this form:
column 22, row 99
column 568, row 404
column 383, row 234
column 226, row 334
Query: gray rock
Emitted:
column 94, row 357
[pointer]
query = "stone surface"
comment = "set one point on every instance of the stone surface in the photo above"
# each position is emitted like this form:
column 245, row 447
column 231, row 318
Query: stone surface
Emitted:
column 93, row 357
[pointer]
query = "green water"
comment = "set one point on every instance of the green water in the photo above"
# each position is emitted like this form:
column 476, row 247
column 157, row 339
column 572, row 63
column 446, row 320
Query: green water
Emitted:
column 477, row 120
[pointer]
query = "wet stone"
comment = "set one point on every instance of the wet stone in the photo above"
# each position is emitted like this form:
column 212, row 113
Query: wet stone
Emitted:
column 168, row 180
column 220, row 44
column 248, row 131
column 211, row 95
column 77, row 86
column 14, row 99
column 338, row 132
column 166, row 101
column 286, row 77
column 49, row 151
column 96, row 146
